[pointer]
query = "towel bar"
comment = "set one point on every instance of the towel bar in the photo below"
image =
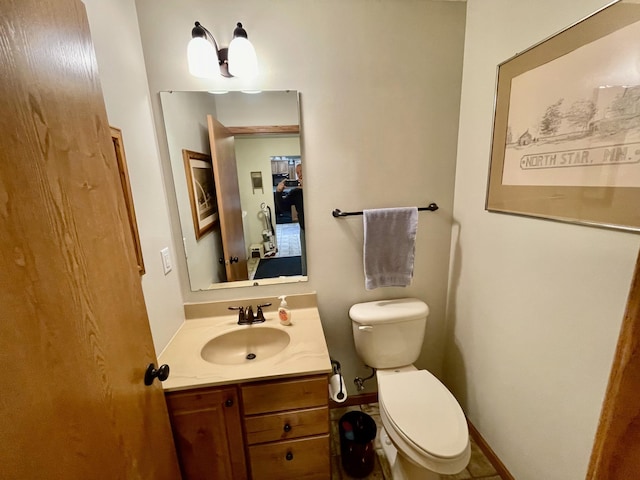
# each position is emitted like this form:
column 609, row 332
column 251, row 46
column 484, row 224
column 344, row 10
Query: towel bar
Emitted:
column 338, row 213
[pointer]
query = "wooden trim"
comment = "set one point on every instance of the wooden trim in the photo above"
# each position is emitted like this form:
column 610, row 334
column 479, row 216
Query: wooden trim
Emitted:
column 489, row 453
column 262, row 129
column 616, row 450
column 118, row 146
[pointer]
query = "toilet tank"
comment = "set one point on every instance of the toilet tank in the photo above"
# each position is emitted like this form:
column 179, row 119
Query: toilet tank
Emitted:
column 389, row 333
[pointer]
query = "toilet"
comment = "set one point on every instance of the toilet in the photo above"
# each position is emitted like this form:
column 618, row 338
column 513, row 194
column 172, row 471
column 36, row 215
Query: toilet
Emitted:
column 424, row 432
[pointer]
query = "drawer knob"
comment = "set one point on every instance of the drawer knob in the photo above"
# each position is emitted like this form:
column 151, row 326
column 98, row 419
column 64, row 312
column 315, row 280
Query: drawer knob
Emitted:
column 228, row 402
column 289, row 456
column 287, row 427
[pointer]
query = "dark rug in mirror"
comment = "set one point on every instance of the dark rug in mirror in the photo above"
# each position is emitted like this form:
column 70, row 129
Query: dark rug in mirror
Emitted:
column 278, row 267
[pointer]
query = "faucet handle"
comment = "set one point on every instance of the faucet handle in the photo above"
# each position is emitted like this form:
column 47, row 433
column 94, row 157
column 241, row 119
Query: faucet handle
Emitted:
column 260, row 314
column 241, row 316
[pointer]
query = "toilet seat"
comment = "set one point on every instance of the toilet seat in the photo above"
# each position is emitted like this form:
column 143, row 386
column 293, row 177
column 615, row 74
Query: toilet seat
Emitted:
column 425, row 416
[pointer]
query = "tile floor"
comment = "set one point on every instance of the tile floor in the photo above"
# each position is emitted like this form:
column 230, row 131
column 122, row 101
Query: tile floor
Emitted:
column 479, row 467
column 288, row 238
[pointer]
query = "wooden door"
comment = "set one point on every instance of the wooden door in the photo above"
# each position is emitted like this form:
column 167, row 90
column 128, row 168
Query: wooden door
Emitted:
column 74, row 333
column 616, row 451
column 225, row 172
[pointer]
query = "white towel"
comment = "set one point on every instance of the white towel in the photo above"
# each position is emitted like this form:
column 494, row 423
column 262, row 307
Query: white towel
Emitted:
column 389, row 246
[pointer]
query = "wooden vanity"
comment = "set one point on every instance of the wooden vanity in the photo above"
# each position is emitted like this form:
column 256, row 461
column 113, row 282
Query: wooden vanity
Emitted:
column 257, row 421
column 258, row 430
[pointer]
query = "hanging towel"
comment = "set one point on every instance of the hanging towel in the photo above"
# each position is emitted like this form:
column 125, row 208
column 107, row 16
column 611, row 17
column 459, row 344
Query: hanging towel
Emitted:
column 389, row 246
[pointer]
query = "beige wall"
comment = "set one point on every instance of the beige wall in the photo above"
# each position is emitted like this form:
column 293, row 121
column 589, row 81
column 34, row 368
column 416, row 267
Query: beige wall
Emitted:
column 380, row 89
column 116, row 39
column 535, row 305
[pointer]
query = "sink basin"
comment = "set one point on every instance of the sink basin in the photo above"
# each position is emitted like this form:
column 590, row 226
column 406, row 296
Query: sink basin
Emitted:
column 248, row 345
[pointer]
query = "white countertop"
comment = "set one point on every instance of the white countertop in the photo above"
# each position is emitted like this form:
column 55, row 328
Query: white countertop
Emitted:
column 306, row 353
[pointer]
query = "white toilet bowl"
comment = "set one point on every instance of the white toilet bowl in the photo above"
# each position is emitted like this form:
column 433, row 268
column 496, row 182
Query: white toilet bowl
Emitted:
column 424, row 423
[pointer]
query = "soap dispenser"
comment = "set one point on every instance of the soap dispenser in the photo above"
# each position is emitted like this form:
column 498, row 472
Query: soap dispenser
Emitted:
column 284, row 314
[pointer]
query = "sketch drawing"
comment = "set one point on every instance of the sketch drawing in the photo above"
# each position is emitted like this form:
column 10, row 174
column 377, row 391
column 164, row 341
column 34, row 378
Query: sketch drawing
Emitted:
column 575, row 121
column 202, row 191
column 205, row 190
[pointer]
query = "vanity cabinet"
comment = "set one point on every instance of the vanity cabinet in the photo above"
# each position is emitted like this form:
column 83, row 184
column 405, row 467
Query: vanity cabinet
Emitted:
column 207, row 431
column 258, row 430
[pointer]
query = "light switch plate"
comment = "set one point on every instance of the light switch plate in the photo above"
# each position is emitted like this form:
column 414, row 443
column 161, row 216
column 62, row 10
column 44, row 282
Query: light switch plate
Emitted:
column 166, row 260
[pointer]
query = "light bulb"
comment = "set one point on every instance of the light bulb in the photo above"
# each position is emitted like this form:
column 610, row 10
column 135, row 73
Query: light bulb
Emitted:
column 242, row 59
column 203, row 59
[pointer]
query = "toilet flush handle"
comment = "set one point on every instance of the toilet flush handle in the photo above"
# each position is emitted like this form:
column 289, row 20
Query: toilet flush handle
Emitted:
column 365, row 328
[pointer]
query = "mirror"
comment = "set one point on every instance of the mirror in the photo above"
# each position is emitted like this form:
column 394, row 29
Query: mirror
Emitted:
column 231, row 154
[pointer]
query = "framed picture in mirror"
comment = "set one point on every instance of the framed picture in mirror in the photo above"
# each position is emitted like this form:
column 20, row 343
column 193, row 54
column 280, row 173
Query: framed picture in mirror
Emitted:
column 118, row 146
column 202, row 191
column 566, row 134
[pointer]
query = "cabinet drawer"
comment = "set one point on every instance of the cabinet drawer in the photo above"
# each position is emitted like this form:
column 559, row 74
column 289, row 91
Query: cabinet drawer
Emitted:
column 307, row 459
column 191, row 400
column 285, row 395
column 287, row 425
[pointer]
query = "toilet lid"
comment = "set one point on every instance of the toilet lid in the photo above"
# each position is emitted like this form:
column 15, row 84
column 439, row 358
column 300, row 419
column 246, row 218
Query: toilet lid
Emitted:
column 388, row 311
column 424, row 412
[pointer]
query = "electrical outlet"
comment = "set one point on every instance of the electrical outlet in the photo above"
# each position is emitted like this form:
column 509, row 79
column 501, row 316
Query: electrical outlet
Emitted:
column 166, row 260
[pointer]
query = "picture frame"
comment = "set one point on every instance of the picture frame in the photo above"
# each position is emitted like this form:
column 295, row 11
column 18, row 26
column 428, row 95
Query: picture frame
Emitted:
column 132, row 224
column 566, row 129
column 202, row 191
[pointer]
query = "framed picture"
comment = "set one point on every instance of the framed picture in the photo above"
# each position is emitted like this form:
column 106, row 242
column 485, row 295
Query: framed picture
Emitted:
column 566, row 132
column 202, row 191
column 118, row 146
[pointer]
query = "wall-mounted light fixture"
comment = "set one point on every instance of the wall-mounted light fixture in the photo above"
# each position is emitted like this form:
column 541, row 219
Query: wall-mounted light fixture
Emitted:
column 206, row 59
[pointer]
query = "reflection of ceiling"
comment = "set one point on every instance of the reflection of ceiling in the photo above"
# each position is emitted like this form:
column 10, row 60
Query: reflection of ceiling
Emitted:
column 236, row 109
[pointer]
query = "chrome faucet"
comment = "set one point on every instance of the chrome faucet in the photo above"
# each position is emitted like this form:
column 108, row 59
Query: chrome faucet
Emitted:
column 246, row 315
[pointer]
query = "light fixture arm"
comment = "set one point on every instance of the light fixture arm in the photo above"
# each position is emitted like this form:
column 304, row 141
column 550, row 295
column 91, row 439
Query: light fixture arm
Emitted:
column 223, row 53
column 200, row 31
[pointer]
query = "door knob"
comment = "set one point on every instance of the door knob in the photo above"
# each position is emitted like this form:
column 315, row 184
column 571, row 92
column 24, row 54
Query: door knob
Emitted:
column 231, row 260
column 161, row 373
